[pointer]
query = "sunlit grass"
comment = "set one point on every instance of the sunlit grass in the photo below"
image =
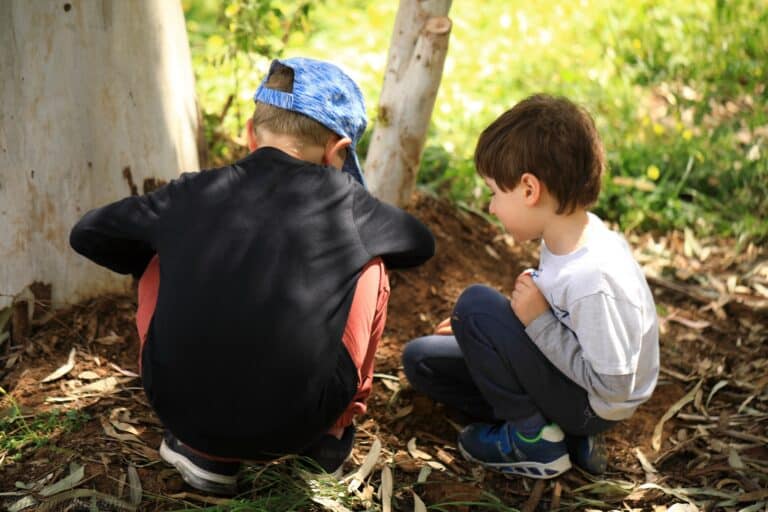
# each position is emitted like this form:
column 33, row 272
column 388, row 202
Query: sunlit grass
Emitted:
column 668, row 82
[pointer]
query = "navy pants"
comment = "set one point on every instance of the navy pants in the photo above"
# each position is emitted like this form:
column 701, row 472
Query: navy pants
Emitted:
column 491, row 370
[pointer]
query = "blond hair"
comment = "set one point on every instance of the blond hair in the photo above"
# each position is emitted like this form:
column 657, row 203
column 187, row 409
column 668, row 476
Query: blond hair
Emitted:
column 284, row 122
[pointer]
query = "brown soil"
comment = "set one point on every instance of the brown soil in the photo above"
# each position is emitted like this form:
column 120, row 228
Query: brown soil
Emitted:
column 469, row 250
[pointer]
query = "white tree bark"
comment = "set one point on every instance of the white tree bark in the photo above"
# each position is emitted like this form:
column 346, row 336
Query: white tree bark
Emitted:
column 414, row 68
column 96, row 100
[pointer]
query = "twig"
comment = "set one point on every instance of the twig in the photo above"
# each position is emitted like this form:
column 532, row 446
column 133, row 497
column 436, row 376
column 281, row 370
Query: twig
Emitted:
column 533, row 501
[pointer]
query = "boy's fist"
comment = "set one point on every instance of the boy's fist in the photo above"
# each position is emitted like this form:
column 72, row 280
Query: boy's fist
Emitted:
column 527, row 301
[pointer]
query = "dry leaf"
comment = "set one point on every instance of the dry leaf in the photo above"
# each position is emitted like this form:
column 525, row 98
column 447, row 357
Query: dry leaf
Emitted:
column 659, row 428
column 418, row 505
column 135, row 490
column 99, row 386
column 693, row 324
column 127, row 373
column 62, row 370
column 404, row 462
column 110, row 339
column 734, row 460
column 111, row 432
column 386, row 489
column 436, row 465
column 120, row 418
column 76, row 473
column 492, row 252
column 88, row 375
column 356, row 479
column 644, row 462
column 415, row 452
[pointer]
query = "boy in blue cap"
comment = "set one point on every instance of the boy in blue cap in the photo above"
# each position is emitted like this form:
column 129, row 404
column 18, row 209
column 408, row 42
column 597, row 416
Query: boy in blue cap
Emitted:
column 263, row 286
column 575, row 350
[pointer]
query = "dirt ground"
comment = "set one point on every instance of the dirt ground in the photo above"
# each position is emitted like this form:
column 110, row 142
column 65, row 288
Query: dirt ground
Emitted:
column 710, row 410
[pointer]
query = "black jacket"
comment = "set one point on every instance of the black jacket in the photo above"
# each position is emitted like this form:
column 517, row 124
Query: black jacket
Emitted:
column 258, row 264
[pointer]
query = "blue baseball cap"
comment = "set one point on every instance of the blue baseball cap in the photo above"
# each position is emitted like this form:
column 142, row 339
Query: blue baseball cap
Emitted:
column 323, row 92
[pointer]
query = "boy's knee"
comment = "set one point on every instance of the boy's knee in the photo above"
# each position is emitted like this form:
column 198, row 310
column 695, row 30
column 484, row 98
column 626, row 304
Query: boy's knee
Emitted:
column 413, row 355
column 479, row 298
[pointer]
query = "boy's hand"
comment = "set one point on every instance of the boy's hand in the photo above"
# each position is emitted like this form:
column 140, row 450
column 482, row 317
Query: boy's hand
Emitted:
column 527, row 301
column 444, row 327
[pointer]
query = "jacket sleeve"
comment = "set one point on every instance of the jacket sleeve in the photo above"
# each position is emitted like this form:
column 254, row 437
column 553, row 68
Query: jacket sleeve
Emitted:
column 387, row 231
column 121, row 235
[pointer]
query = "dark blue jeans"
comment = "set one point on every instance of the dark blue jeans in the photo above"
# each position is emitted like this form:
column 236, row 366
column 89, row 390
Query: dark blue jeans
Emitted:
column 491, row 370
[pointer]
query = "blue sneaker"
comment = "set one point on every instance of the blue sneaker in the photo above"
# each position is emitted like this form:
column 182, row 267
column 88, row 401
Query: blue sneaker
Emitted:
column 590, row 453
column 503, row 448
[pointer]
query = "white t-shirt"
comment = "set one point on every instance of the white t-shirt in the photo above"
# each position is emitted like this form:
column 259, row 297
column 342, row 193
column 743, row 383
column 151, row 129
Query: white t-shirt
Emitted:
column 602, row 331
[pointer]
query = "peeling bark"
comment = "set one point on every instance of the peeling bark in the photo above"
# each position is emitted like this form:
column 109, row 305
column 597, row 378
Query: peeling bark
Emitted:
column 89, row 89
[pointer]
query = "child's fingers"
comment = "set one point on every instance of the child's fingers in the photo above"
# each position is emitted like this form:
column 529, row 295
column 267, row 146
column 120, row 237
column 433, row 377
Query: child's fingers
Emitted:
column 524, row 281
column 444, row 327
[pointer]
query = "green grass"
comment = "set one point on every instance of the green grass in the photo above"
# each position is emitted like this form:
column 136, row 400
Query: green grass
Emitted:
column 21, row 435
column 676, row 88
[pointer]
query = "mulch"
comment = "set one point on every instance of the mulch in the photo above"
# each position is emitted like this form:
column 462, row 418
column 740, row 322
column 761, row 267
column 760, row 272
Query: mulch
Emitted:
column 701, row 440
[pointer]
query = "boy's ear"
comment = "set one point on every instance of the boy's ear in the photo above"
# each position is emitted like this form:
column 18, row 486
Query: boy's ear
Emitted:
column 253, row 142
column 335, row 151
column 532, row 189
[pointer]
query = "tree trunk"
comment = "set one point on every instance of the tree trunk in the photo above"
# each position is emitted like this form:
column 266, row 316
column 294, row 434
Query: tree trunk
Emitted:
column 97, row 102
column 414, row 68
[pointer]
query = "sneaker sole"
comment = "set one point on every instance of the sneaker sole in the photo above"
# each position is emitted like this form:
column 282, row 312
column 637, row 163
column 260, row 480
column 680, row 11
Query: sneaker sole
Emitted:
column 197, row 477
column 539, row 470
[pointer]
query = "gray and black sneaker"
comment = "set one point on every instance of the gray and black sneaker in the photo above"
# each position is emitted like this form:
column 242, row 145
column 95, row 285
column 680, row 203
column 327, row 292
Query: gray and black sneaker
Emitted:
column 590, row 453
column 202, row 473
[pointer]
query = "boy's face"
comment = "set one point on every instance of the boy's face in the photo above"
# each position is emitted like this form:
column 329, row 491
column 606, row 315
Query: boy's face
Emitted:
column 516, row 208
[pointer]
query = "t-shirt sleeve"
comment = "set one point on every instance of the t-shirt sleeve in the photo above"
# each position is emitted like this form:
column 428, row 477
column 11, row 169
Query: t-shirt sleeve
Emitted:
column 387, row 231
column 121, row 235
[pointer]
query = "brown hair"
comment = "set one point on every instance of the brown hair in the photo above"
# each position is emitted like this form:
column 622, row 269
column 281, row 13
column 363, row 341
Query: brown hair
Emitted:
column 285, row 122
column 551, row 138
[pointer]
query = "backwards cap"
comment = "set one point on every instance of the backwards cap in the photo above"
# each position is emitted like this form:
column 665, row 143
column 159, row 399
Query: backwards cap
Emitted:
column 323, row 92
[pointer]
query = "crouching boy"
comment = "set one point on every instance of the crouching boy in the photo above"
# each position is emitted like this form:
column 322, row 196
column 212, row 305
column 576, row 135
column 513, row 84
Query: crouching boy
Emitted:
column 575, row 350
column 263, row 284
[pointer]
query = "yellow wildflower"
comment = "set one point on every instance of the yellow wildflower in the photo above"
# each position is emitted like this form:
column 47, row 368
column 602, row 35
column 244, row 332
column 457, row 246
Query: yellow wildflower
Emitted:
column 687, row 135
column 232, row 9
column 653, row 172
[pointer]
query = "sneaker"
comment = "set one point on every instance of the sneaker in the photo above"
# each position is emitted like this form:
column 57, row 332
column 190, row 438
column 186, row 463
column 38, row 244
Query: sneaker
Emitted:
column 200, row 472
column 590, row 453
column 330, row 452
column 503, row 448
